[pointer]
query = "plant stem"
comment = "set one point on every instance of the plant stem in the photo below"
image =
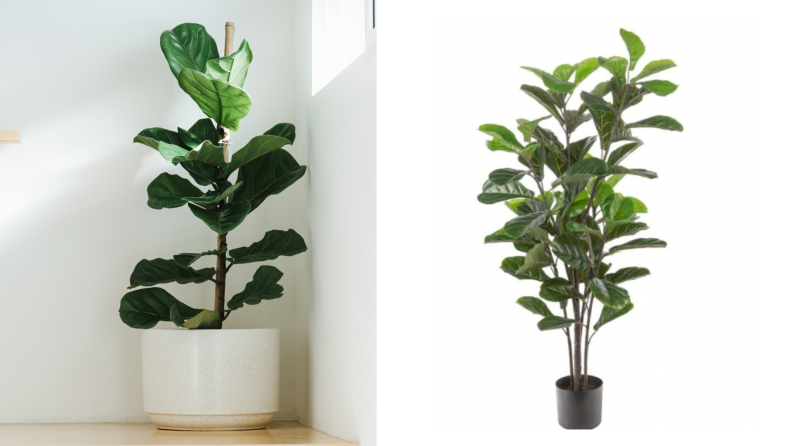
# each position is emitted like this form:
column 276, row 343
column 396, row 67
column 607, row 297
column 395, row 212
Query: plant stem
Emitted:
column 220, row 277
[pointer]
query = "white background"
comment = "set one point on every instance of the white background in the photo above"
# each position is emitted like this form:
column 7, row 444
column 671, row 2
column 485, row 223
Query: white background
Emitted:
column 704, row 356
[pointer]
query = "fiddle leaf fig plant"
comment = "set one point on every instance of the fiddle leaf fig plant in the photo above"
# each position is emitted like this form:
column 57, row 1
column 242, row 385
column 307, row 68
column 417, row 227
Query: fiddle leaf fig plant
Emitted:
column 576, row 217
column 263, row 169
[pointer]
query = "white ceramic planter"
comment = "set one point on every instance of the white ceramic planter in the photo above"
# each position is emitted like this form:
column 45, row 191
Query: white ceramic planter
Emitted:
column 211, row 379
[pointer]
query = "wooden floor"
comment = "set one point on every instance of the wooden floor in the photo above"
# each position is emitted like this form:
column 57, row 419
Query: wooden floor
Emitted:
column 143, row 434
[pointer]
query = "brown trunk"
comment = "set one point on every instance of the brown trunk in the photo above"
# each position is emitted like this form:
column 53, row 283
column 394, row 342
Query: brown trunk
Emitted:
column 577, row 345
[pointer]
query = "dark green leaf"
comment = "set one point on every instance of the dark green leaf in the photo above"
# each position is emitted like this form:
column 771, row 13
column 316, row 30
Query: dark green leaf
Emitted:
column 625, row 274
column 222, row 219
column 144, row 308
column 511, row 265
column 274, row 244
column 622, row 152
column 660, row 88
column 551, row 81
column 186, row 259
column 583, row 170
column 175, row 317
column 621, row 170
column 519, row 226
column 634, row 45
column 618, row 229
column 570, row 250
column 654, row 67
column 232, row 69
column 206, row 319
column 609, row 294
column 585, row 68
column 534, row 305
column 167, row 191
column 263, row 286
column 188, row 46
column 221, row 101
column 153, row 136
column 269, row 174
column 203, row 174
column 573, row 226
column 258, row 146
column 505, row 176
column 493, row 193
column 609, row 314
column 617, row 66
column 226, row 189
column 208, row 153
column 284, row 130
column 159, row 271
column 545, row 100
column 535, row 258
column 579, row 149
column 639, row 243
column 188, row 138
column 554, row 322
column 658, row 122
column 556, row 290
column 205, row 130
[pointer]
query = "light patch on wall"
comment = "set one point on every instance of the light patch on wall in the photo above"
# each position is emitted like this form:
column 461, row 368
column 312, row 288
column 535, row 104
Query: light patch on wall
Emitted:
column 338, row 37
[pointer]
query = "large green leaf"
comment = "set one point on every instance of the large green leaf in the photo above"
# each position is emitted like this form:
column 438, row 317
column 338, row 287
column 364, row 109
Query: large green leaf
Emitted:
column 602, row 114
column 535, row 259
column 585, row 68
column 221, row 101
column 660, row 88
column 205, row 130
column 527, row 127
column 206, row 319
column 554, row 322
column 188, row 46
column 564, row 71
column 551, row 81
column 579, row 149
column 534, row 305
column 502, row 139
column 609, row 314
column 570, row 250
column 617, row 155
column 625, row 274
column 517, row 227
column 634, row 45
column 583, row 170
column 621, row 170
column 153, row 136
column 617, row 66
column 171, row 152
column 144, row 308
column 189, row 139
column 263, row 286
column 222, row 219
column 186, row 259
column 638, row 244
column 258, row 146
column 203, row 174
column 226, row 189
column 616, row 229
column 167, row 191
column 574, row 226
column 511, row 265
column 274, row 244
column 654, row 67
column 175, row 316
column 159, row 271
column 545, row 100
column 658, row 122
column 285, row 130
column 556, row 290
column 208, row 153
column 506, row 176
column 232, row 69
column 269, row 174
column 609, row 294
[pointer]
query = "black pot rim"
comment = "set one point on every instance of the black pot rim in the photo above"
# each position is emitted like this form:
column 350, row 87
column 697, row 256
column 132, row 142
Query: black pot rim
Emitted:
column 563, row 384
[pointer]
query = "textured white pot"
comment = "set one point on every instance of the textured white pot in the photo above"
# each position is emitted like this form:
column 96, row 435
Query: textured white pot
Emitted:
column 211, row 379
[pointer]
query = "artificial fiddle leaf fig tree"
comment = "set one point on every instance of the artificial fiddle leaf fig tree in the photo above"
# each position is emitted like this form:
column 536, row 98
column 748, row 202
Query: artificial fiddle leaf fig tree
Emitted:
column 576, row 218
column 263, row 169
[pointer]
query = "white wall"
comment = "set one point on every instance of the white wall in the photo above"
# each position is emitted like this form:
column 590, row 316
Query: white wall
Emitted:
column 340, row 308
column 703, row 357
column 80, row 79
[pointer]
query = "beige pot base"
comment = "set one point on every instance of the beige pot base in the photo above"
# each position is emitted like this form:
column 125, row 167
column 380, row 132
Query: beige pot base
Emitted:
column 211, row 422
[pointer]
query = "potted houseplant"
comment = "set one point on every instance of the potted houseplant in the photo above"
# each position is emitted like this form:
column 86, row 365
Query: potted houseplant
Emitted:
column 205, row 378
column 568, row 228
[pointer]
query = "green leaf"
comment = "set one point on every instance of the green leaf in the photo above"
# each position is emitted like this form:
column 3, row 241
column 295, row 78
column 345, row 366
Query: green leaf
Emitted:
column 618, row 229
column 556, row 290
column 498, row 236
column 564, row 71
column 585, row 68
column 621, row 170
column 577, row 207
column 609, row 314
column 206, row 319
column 609, row 294
column 583, row 170
column 604, row 191
column 226, row 189
column 620, row 209
column 205, row 130
column 551, row 81
column 511, row 265
column 263, row 286
column 613, row 180
column 221, row 101
column 232, row 69
column 284, row 130
column 159, row 271
column 535, row 258
column 274, row 244
column 570, row 250
column 186, row 259
column 534, row 305
column 499, row 132
column 167, row 191
column 203, row 174
column 639, row 243
column 144, row 308
column 622, row 152
column 269, row 174
column 188, row 46
column 506, row 176
column 573, row 226
column 519, row 226
column 258, row 146
column 625, row 274
column 175, row 317
column 634, row 45
column 545, row 100
column 208, row 153
column 658, row 122
column 595, row 102
column 153, row 136
column 222, row 219
column 638, row 205
column 554, row 322
column 579, row 149
column 493, row 193
column 617, row 66
column 660, row 88
column 188, row 138
column 172, row 153
column 654, row 67
column 527, row 127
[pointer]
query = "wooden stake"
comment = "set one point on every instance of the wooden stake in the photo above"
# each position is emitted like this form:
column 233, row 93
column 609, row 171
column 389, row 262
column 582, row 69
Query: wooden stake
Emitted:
column 10, row 136
column 229, row 42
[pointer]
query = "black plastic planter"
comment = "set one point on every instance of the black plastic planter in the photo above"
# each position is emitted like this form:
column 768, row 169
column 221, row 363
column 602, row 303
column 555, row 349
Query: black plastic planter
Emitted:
column 579, row 410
